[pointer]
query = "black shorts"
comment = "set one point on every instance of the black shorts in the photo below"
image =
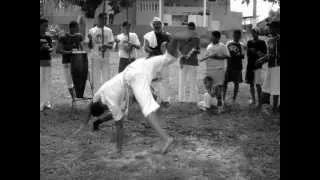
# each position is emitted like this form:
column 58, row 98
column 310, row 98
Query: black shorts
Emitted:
column 124, row 62
column 233, row 76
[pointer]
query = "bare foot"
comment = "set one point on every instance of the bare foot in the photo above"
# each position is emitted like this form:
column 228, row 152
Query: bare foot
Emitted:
column 167, row 145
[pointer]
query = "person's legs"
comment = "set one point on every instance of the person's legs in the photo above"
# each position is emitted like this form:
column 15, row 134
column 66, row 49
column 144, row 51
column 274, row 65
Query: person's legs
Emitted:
column 193, row 86
column 164, row 86
column 259, row 92
column 47, row 86
column 275, row 103
column 225, row 88
column 95, row 71
column 252, row 93
column 68, row 79
column 105, row 72
column 141, row 90
column 182, row 84
column 42, row 102
column 235, row 91
column 119, row 135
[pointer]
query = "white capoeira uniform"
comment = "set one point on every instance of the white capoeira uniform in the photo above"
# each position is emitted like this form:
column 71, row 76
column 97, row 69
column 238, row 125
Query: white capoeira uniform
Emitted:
column 207, row 102
column 100, row 67
column 137, row 78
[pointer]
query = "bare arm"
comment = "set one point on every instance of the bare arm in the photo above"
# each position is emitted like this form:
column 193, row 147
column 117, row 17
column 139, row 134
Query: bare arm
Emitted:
column 147, row 46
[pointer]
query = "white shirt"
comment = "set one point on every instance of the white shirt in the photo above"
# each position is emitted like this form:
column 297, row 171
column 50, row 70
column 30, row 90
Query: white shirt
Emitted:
column 113, row 93
column 96, row 34
column 219, row 49
column 123, row 39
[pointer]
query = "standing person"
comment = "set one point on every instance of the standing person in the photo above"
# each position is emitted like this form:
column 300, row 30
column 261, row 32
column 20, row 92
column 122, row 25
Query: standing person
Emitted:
column 111, row 100
column 100, row 53
column 256, row 49
column 216, row 57
column 234, row 65
column 271, row 85
column 67, row 43
column 45, row 65
column 188, row 67
column 127, row 50
column 154, row 42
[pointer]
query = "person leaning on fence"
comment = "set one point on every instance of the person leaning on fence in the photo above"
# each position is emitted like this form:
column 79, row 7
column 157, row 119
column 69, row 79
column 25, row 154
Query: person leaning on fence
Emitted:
column 45, row 65
column 67, row 43
column 127, row 49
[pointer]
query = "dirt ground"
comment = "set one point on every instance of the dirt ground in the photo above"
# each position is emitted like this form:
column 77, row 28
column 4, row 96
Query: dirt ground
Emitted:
column 240, row 144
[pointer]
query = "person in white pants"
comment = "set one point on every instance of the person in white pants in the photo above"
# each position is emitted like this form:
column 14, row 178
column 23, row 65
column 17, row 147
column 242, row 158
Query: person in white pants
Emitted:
column 110, row 102
column 100, row 53
column 189, row 68
column 154, row 42
column 45, row 66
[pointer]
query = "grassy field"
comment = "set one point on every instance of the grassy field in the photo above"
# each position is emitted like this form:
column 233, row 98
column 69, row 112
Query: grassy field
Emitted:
column 237, row 145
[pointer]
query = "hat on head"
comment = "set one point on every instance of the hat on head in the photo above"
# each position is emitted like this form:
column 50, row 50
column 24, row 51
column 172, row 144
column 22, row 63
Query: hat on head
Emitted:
column 155, row 19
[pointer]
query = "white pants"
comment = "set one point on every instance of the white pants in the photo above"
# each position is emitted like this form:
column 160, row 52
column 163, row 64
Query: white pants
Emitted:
column 67, row 75
column 271, row 83
column 188, row 78
column 100, row 70
column 163, row 85
column 207, row 102
column 45, row 83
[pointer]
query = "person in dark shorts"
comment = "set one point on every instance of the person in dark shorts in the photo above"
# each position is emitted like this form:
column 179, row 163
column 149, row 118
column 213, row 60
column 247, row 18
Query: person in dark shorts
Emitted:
column 127, row 49
column 256, row 49
column 45, row 65
column 67, row 43
column 234, row 65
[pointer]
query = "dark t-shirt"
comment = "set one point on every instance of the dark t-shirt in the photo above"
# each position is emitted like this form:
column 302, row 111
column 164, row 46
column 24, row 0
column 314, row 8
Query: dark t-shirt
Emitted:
column 274, row 51
column 186, row 47
column 161, row 37
column 256, row 46
column 70, row 42
column 236, row 56
column 45, row 54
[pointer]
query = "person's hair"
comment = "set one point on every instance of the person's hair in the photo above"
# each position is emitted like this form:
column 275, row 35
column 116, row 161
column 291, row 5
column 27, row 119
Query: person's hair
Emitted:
column 125, row 23
column 73, row 24
column 97, row 108
column 42, row 20
column 237, row 31
column 216, row 34
column 102, row 15
column 191, row 25
column 208, row 79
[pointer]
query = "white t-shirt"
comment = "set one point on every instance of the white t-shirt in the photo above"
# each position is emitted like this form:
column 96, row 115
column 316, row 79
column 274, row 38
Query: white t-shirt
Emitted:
column 220, row 49
column 123, row 39
column 113, row 93
column 96, row 34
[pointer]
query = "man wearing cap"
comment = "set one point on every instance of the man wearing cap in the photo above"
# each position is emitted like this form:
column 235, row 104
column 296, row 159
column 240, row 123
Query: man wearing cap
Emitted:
column 100, row 53
column 154, row 44
column 271, row 84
